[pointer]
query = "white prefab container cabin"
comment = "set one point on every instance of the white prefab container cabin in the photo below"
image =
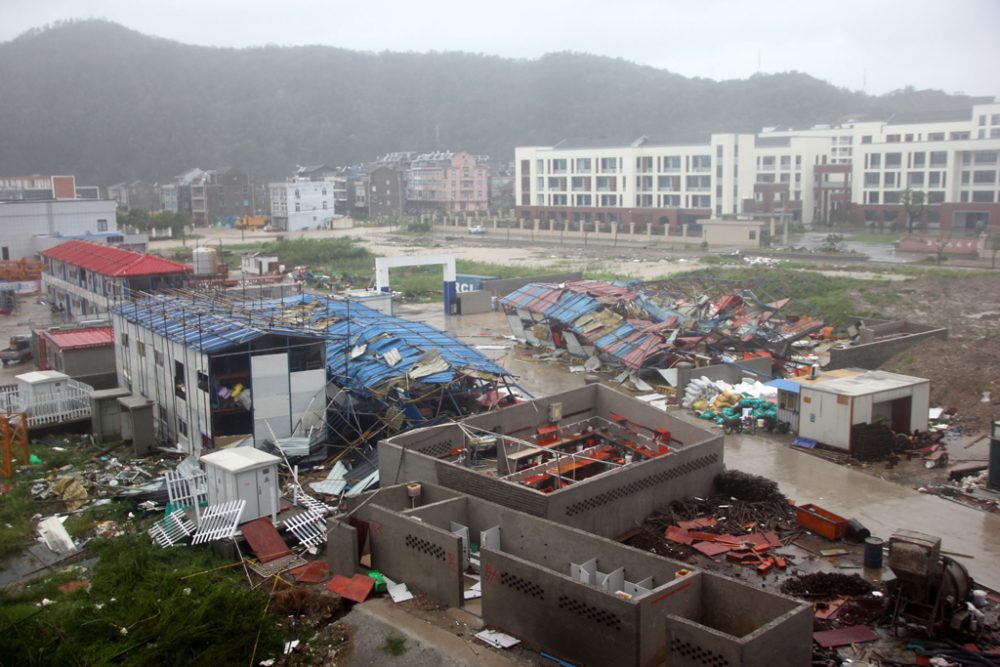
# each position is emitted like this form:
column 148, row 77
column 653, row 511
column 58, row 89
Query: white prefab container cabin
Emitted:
column 244, row 473
column 829, row 408
column 216, row 377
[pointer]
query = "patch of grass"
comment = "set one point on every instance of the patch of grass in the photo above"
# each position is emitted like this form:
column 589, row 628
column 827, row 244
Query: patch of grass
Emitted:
column 16, row 527
column 138, row 613
column 394, row 645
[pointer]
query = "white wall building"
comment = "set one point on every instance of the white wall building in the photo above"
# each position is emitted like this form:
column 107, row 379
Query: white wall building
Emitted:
column 215, row 377
column 852, row 171
column 23, row 222
column 302, row 204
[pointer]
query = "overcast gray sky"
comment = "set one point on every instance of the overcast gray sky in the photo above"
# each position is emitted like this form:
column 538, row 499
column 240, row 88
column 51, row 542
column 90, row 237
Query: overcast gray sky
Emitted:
column 878, row 45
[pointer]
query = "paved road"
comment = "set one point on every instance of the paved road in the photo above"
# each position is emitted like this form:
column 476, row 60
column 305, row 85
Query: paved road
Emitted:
column 883, row 507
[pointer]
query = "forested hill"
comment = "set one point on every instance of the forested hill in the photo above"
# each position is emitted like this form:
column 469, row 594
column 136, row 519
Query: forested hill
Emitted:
column 95, row 99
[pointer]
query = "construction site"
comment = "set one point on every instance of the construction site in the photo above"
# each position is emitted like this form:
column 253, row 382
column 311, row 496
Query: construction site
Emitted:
column 693, row 470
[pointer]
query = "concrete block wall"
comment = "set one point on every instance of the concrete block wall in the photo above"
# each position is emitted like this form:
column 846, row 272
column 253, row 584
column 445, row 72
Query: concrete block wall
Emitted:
column 871, row 354
column 612, row 504
column 427, row 558
column 736, row 625
column 552, row 610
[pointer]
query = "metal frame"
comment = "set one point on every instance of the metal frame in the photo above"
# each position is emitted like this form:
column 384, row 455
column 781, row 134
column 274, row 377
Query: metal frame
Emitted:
column 219, row 522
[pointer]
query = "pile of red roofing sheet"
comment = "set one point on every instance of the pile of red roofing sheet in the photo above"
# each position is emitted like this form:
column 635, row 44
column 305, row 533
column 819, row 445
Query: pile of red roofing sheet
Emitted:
column 752, row 549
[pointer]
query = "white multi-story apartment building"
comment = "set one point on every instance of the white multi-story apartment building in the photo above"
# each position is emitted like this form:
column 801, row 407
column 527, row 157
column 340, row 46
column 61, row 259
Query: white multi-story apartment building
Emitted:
column 852, row 171
column 302, row 204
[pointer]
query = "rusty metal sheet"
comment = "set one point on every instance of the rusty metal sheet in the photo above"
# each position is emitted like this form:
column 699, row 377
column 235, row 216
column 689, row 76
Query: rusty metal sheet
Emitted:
column 357, row 588
column 855, row 634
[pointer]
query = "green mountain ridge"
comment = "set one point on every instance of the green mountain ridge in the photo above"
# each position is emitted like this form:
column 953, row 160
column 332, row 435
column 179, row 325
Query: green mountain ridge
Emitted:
column 106, row 103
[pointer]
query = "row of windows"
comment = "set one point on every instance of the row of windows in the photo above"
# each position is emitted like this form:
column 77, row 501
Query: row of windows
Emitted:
column 615, row 201
column 892, row 179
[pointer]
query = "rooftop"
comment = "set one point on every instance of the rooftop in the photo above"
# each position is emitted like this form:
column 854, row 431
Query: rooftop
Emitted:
column 862, row 383
column 80, row 339
column 111, row 261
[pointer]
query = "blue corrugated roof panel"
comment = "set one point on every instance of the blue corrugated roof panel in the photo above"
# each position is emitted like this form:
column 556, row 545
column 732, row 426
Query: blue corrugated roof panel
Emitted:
column 784, row 385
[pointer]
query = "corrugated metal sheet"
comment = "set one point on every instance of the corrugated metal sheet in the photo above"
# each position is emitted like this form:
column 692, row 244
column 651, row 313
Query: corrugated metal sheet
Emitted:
column 111, row 261
column 81, row 338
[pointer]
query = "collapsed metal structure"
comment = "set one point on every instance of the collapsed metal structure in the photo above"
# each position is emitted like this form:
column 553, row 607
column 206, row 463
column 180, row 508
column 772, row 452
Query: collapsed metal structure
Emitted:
column 384, row 373
column 637, row 329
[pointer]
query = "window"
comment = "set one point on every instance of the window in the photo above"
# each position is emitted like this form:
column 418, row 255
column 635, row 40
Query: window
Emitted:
column 892, row 197
column 609, row 200
column 557, row 183
column 866, row 139
column 701, row 163
column 984, row 177
column 890, row 179
column 644, row 164
column 871, row 179
column 670, row 183
column 671, row 201
column 158, row 358
column 582, row 200
column 958, row 136
column 559, row 200
column 893, row 160
column 182, row 427
column 605, row 183
column 965, row 177
column 919, row 159
column 141, row 348
column 915, row 179
column 872, row 197
column 645, row 201
column 939, row 158
column 875, row 160
column 934, row 179
column 559, row 166
column 892, row 138
column 102, row 225
column 698, row 183
column 985, row 157
column 580, row 183
column 935, row 197
column 753, row 234
column 767, row 163
column 982, row 119
column 162, row 412
column 609, row 165
column 995, row 119
column 203, row 380
column 643, row 183
column 582, row 165
column 540, row 166
column 179, row 381
column 701, row 201
column 984, row 196
column 786, row 162
column 671, row 163
column 124, row 340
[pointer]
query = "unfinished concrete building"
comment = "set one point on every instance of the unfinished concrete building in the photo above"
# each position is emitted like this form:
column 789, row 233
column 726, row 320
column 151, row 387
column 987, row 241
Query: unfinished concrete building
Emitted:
column 591, row 458
column 577, row 595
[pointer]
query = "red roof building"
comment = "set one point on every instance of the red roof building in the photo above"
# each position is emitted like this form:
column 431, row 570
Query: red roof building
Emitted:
column 85, row 279
column 111, row 261
column 87, row 355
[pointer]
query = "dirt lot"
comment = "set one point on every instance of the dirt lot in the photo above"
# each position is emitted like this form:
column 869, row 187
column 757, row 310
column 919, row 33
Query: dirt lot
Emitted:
column 964, row 370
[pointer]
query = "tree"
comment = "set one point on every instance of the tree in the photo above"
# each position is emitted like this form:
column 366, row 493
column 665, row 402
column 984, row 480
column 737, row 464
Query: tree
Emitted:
column 993, row 243
column 914, row 202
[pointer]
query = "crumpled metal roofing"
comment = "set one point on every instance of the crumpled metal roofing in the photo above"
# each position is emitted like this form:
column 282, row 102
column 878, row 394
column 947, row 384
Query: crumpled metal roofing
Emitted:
column 361, row 340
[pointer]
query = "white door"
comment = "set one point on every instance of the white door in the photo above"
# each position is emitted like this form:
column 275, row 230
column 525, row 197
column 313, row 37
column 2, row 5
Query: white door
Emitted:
column 246, row 487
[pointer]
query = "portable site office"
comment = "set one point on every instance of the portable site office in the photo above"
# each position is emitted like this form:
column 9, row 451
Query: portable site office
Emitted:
column 831, row 405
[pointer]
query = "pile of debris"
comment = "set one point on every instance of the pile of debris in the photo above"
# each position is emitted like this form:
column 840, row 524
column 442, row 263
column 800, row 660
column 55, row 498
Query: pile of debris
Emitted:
column 747, row 520
column 625, row 326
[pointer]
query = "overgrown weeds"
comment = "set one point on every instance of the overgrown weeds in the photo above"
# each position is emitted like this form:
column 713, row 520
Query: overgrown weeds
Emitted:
column 139, row 611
